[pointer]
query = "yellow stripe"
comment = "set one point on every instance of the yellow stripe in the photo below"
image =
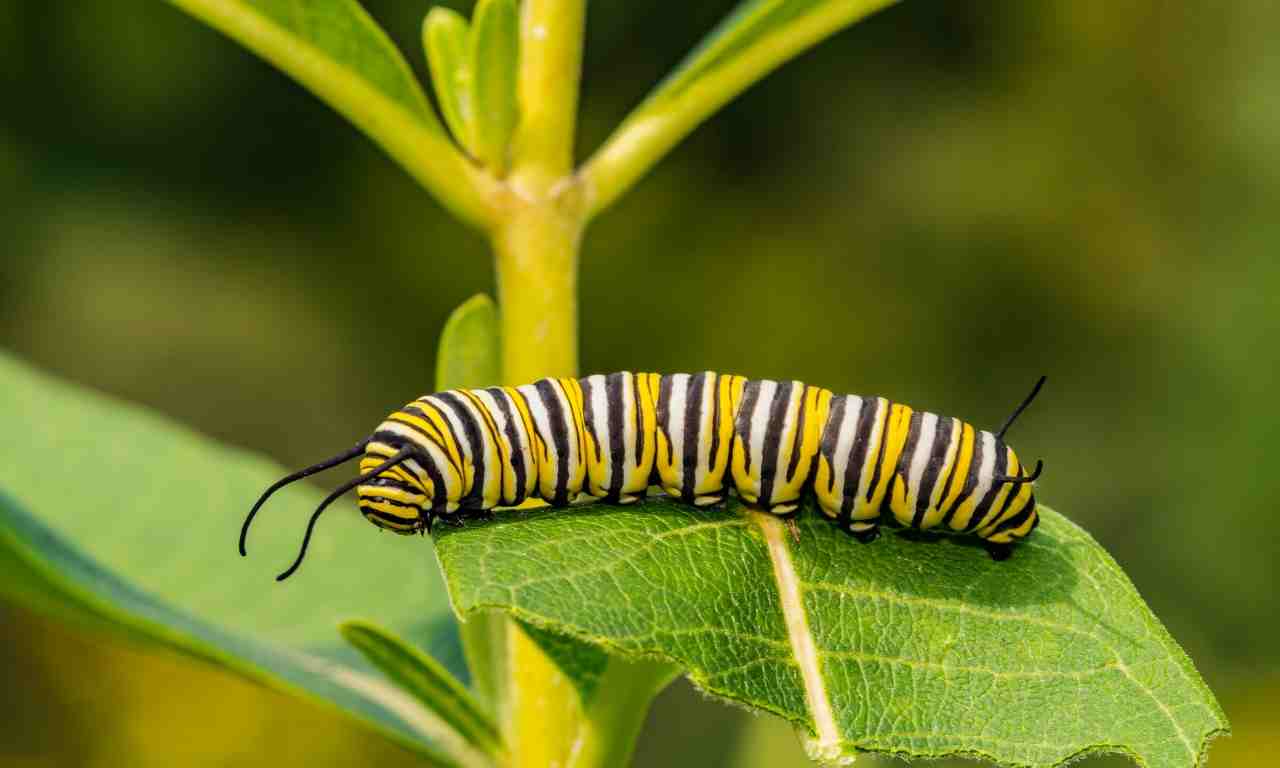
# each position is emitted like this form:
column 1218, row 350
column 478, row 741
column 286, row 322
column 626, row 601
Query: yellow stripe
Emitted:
column 537, row 451
column 934, row 512
column 895, row 432
column 573, row 394
column 391, row 509
column 645, row 386
column 964, row 458
column 493, row 476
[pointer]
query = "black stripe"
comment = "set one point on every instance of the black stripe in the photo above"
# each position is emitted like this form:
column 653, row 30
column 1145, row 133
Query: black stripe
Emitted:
column 547, row 392
column 479, row 458
column 742, row 421
column 970, row 479
column 692, row 433
column 385, row 500
column 937, row 457
column 517, row 457
column 1009, row 499
column 664, row 425
column 831, row 436
column 884, row 441
column 1019, row 518
column 858, row 454
column 951, row 474
column 984, row 506
column 588, row 414
column 908, row 450
column 772, row 439
column 797, row 441
column 638, row 415
column 617, row 453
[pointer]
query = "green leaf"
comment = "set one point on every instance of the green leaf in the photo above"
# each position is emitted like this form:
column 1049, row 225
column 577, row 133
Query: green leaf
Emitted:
column 447, row 40
column 755, row 39
column 338, row 52
column 495, row 45
column 117, row 518
column 428, row 682
column 909, row 647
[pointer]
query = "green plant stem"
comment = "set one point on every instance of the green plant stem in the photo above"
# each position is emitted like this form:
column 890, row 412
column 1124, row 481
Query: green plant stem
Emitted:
column 547, row 91
column 536, row 252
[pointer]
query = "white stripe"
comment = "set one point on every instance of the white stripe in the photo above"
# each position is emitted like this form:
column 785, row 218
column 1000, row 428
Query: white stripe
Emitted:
column 844, row 443
column 986, row 472
column 675, row 424
column 919, row 460
column 759, row 424
column 953, row 454
column 541, row 423
column 878, row 428
column 790, row 422
column 455, row 426
column 706, row 428
column 600, row 424
column 630, row 404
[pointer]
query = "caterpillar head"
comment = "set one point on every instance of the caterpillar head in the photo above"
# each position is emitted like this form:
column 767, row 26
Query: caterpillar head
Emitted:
column 391, row 490
column 394, row 499
column 1019, row 517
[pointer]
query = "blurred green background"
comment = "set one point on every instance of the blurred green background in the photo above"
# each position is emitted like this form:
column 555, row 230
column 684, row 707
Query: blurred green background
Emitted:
column 938, row 205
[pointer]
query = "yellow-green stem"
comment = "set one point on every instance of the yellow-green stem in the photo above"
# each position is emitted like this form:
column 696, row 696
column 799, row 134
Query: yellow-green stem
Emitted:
column 536, row 253
column 547, row 90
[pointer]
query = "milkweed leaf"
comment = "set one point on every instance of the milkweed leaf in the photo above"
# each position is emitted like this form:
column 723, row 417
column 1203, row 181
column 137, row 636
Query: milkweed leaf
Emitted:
column 912, row 648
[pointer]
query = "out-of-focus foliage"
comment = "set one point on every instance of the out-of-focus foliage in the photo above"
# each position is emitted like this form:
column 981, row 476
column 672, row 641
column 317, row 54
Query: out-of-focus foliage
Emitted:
column 940, row 204
column 161, row 567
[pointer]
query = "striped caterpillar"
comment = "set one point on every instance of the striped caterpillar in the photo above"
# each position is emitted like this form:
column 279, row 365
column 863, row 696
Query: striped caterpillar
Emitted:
column 459, row 454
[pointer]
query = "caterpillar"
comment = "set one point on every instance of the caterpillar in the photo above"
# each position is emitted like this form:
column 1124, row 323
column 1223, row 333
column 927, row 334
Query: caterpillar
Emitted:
column 458, row 454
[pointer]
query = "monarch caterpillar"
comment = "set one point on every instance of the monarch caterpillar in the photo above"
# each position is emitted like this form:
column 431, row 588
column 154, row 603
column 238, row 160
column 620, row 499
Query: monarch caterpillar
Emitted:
column 460, row 453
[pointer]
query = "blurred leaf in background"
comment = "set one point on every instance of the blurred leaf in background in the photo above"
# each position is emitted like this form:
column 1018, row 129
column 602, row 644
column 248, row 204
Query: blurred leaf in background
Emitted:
column 938, row 205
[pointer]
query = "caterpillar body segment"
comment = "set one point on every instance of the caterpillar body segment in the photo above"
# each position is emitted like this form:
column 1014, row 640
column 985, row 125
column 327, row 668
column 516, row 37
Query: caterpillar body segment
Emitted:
column 865, row 460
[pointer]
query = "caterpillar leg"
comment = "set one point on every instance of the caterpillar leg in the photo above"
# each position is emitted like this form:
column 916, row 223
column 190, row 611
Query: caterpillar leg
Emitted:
column 864, row 532
column 998, row 551
column 477, row 514
column 453, row 519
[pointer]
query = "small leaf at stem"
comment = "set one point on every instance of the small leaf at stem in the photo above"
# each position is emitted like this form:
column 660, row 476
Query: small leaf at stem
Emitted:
column 495, row 45
column 428, row 682
column 446, row 40
column 469, row 353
